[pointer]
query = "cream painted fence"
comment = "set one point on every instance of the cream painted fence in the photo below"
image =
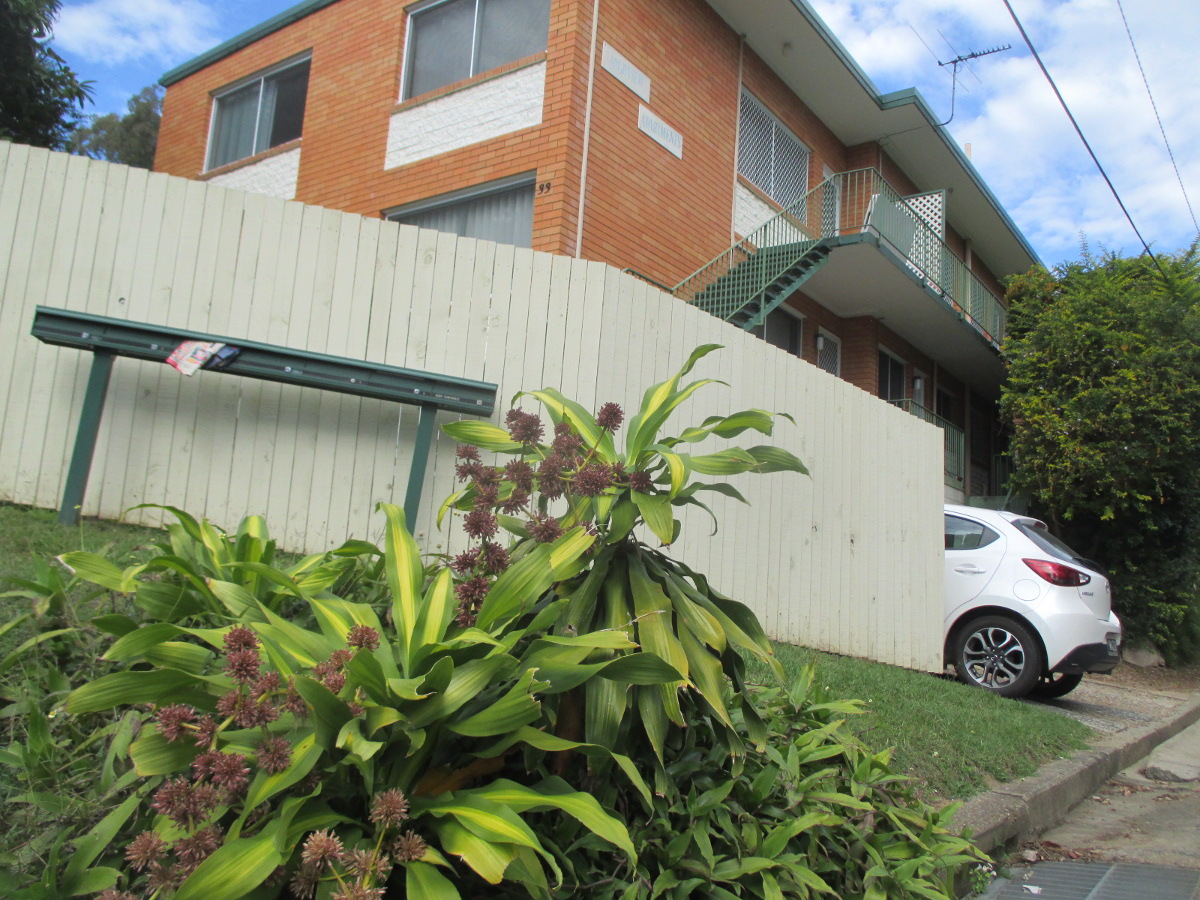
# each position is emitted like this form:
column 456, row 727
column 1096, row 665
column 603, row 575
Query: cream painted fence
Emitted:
column 848, row 560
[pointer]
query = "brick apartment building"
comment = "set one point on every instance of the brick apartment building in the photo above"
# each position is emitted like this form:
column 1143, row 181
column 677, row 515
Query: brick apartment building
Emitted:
column 728, row 150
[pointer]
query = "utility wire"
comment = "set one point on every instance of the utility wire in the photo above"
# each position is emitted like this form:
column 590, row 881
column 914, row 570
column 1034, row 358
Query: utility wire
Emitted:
column 1150, row 94
column 1079, row 131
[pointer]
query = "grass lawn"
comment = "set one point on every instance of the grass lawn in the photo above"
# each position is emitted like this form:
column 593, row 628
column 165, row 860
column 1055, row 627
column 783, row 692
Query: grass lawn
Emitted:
column 957, row 741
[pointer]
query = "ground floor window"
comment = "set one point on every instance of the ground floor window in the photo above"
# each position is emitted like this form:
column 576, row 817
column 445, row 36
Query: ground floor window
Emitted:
column 498, row 212
column 829, row 353
column 784, row 329
column 891, row 377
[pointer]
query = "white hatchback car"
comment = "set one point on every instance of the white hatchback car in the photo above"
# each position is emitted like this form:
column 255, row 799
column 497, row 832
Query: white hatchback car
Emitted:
column 1024, row 613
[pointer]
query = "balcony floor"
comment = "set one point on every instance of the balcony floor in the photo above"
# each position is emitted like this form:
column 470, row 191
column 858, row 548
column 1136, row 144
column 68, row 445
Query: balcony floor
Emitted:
column 865, row 276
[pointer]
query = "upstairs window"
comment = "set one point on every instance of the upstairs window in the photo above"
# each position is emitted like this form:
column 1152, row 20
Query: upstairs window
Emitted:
column 501, row 212
column 261, row 114
column 770, row 156
column 451, row 40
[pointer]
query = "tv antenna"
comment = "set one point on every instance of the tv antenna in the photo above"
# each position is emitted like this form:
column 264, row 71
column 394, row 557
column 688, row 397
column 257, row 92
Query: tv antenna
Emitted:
column 961, row 60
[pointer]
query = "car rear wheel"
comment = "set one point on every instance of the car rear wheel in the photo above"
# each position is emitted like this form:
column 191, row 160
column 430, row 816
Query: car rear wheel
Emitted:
column 998, row 654
column 1054, row 685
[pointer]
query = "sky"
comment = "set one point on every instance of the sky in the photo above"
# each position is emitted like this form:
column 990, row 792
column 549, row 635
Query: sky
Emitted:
column 1020, row 139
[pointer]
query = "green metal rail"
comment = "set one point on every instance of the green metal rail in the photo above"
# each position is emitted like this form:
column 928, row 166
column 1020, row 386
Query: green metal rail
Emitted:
column 953, row 440
column 107, row 338
column 743, row 283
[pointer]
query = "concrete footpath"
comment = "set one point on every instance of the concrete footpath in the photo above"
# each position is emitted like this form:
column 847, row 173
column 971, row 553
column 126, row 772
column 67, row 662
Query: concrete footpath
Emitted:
column 1004, row 818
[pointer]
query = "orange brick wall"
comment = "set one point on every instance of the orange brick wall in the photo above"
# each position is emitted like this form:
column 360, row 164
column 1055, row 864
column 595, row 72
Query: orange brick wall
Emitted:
column 353, row 90
column 645, row 208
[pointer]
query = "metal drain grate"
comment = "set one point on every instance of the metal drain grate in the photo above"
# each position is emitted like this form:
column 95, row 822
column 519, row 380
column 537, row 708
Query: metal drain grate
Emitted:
column 1097, row 881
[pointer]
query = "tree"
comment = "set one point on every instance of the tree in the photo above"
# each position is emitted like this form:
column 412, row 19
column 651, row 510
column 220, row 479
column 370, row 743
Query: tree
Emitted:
column 128, row 139
column 1103, row 396
column 39, row 94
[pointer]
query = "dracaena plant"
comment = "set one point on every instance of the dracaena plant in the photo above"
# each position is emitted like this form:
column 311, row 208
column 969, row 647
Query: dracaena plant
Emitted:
column 363, row 750
column 575, row 476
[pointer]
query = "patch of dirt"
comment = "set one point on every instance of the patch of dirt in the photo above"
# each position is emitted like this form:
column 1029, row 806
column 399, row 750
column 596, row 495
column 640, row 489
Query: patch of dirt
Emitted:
column 1183, row 679
column 1039, row 851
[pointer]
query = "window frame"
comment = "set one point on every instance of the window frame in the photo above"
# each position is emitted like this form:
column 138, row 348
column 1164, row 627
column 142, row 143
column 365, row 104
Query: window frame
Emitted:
column 986, row 535
column 416, row 9
column 233, row 87
column 796, row 321
column 832, row 338
column 893, row 359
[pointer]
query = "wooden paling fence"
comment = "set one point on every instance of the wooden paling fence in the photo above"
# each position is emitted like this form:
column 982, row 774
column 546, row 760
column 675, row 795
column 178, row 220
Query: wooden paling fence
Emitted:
column 848, row 560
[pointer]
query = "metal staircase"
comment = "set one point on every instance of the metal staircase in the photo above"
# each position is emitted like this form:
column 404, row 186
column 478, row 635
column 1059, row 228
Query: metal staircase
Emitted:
column 748, row 292
column 757, row 274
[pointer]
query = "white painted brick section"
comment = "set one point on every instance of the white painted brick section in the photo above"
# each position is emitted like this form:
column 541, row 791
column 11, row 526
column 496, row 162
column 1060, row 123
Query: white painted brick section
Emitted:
column 750, row 212
column 274, row 176
column 488, row 110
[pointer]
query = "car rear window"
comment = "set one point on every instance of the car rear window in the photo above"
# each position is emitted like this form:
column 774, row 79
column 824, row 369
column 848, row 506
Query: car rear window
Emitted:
column 1048, row 542
column 963, row 534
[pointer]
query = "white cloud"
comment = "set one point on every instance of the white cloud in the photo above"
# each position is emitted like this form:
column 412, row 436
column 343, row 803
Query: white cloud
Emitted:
column 114, row 32
column 1022, row 141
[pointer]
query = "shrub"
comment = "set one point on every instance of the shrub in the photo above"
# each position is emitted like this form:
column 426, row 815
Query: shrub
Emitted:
column 558, row 714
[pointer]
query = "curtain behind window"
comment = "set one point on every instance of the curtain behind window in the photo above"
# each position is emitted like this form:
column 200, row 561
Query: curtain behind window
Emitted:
column 233, row 134
column 505, row 217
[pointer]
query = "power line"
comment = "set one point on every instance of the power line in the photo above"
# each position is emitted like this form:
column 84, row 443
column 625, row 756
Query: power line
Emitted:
column 1079, row 131
column 1150, row 94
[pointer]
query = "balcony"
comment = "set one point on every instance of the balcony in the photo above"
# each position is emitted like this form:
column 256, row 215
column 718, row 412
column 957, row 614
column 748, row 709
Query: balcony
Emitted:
column 859, row 248
column 953, row 442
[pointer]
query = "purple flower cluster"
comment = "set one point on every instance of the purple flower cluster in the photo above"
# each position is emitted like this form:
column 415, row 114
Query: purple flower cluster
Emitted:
column 360, row 873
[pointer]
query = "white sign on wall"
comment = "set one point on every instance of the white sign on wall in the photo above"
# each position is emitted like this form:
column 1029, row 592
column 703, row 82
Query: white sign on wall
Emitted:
column 625, row 72
column 660, row 131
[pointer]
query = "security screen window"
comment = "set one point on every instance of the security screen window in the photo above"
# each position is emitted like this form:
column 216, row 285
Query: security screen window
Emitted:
column 455, row 39
column 770, row 156
column 266, row 112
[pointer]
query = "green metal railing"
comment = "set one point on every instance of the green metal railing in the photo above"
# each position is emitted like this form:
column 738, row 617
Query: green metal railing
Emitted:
column 844, row 204
column 953, row 440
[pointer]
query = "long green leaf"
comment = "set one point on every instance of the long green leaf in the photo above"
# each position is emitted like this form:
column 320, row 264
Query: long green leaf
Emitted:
column 657, row 511
column 235, row 869
column 775, row 459
column 524, row 582
column 468, row 680
column 517, row 707
column 159, row 686
column 402, row 562
column 584, row 422
column 92, row 844
column 153, row 754
column 423, row 881
column 730, row 461
column 488, row 858
column 12, row 658
column 435, row 615
column 555, row 793
column 643, row 428
column 484, row 435
column 95, row 568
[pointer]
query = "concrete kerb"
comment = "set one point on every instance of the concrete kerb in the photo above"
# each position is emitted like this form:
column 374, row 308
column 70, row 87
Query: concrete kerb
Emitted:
column 1017, row 812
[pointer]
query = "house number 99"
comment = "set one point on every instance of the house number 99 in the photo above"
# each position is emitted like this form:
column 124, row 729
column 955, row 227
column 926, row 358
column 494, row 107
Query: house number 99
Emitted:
column 544, row 187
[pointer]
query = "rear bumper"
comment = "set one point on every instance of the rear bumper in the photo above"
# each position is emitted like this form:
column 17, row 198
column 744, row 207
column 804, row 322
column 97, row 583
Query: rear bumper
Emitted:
column 1090, row 658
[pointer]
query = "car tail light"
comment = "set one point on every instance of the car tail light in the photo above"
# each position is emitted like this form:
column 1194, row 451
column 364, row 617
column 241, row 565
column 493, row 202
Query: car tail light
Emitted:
column 1057, row 573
